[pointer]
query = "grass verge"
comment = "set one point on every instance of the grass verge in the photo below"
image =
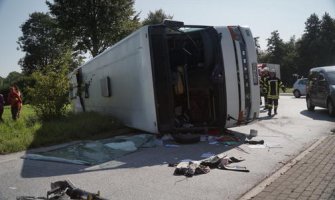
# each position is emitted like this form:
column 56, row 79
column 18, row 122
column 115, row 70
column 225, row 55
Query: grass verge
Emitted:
column 289, row 90
column 28, row 132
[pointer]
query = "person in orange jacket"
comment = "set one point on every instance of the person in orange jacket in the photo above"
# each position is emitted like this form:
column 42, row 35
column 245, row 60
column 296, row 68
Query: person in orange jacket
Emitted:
column 2, row 104
column 17, row 90
column 15, row 102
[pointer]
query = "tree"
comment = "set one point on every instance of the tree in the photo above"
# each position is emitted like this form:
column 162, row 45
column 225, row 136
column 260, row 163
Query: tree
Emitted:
column 275, row 48
column 289, row 62
column 262, row 56
column 317, row 45
column 94, row 25
column 312, row 27
column 315, row 48
column 49, row 94
column 309, row 46
column 156, row 17
column 1, row 82
column 258, row 47
column 11, row 79
column 327, row 40
column 39, row 41
column 283, row 53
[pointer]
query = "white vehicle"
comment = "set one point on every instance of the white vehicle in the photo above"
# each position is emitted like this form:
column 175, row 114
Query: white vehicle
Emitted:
column 173, row 78
column 299, row 87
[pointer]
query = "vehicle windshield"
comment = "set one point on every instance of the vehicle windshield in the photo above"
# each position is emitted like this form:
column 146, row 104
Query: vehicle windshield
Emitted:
column 303, row 81
column 331, row 77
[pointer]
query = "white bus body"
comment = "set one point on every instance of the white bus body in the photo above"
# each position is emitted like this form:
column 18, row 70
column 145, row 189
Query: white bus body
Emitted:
column 163, row 78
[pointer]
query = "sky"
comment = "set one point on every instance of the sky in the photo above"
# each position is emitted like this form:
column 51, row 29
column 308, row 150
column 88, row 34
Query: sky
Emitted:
column 262, row 16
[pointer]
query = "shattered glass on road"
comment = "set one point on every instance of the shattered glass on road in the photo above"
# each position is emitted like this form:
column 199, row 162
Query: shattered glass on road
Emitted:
column 96, row 152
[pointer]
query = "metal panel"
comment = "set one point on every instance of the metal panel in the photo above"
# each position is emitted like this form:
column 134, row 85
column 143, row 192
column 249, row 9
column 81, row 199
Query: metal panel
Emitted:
column 231, row 75
column 241, row 74
column 128, row 65
column 252, row 60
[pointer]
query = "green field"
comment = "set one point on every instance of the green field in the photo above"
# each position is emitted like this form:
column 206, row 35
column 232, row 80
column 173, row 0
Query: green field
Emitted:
column 28, row 132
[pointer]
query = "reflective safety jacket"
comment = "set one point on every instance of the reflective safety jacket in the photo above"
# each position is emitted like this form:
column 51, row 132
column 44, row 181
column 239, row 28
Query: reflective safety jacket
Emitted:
column 263, row 87
column 272, row 86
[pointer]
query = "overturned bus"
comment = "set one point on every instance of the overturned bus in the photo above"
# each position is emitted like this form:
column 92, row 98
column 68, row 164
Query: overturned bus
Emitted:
column 173, row 77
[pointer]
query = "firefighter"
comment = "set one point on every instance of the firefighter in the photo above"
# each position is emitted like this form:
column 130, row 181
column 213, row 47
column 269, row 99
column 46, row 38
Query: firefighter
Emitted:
column 273, row 84
column 264, row 92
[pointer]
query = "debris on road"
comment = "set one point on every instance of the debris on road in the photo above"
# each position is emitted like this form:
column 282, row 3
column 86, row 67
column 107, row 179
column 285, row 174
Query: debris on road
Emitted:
column 189, row 169
column 219, row 161
column 253, row 133
column 213, row 143
column 254, row 142
column 65, row 190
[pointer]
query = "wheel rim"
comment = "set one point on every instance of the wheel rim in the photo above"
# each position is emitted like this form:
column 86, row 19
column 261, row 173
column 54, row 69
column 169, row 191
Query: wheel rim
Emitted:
column 296, row 93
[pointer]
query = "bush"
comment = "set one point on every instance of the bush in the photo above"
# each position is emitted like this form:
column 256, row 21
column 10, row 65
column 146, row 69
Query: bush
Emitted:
column 49, row 94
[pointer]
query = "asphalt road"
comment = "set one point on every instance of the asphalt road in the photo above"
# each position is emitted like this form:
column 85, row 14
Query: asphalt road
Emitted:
column 145, row 174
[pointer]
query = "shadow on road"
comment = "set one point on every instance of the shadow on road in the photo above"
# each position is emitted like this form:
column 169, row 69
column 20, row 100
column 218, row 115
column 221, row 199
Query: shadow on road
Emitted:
column 318, row 114
column 268, row 117
column 143, row 157
column 302, row 97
